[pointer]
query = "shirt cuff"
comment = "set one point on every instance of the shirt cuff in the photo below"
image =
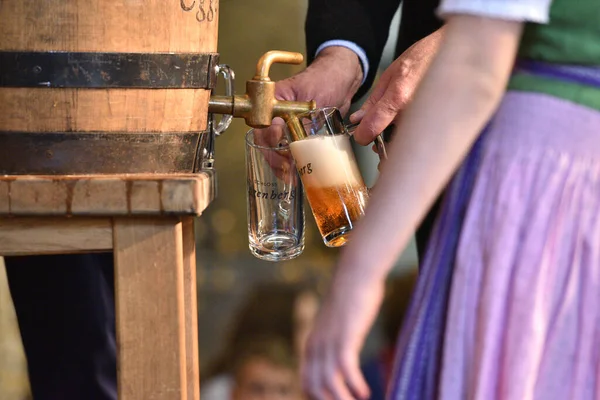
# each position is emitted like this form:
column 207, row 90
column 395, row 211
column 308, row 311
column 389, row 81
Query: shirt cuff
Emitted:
column 362, row 55
column 521, row 11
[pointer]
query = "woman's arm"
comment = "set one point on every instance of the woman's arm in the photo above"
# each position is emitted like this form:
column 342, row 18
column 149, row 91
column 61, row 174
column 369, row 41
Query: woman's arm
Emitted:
column 455, row 100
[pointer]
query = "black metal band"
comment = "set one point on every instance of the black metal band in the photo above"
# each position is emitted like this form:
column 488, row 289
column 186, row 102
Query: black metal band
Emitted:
column 66, row 153
column 108, row 70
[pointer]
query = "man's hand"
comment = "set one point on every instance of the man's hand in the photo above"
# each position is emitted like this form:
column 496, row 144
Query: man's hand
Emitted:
column 395, row 88
column 331, row 79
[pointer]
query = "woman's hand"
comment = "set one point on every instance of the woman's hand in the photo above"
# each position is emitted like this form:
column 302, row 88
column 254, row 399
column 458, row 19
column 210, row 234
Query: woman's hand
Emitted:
column 331, row 368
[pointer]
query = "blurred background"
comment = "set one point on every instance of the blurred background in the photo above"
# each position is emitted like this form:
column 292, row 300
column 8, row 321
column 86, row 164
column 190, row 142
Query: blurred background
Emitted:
column 240, row 296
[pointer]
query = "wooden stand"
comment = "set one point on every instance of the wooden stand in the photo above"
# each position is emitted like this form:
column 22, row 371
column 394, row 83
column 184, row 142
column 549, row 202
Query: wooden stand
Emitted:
column 148, row 222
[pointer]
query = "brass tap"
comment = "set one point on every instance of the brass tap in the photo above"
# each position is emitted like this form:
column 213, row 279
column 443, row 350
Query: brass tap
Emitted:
column 259, row 106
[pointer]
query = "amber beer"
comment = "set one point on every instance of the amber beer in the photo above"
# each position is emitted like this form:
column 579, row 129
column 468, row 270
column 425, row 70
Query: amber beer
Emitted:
column 333, row 184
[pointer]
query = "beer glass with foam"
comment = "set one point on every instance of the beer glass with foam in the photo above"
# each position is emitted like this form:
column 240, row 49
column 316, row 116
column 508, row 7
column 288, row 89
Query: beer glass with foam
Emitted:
column 275, row 197
column 327, row 166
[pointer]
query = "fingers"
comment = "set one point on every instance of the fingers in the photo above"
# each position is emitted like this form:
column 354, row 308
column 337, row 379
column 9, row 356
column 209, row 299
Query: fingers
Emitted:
column 270, row 137
column 381, row 114
column 380, row 151
column 329, row 374
column 268, row 141
column 376, row 95
column 381, row 160
column 334, row 380
column 350, row 369
column 345, row 106
column 311, row 372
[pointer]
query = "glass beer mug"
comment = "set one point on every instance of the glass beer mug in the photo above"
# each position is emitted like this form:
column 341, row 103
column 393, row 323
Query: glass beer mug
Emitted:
column 274, row 197
column 329, row 172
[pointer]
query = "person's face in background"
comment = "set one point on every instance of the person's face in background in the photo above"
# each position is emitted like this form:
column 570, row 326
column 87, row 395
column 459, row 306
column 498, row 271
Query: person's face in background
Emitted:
column 260, row 379
column 305, row 312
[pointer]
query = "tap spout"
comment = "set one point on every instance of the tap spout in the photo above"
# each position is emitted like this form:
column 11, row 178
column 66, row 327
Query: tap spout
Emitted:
column 258, row 106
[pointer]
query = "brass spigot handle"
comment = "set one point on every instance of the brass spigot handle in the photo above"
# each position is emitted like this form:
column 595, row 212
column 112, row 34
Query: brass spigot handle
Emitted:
column 229, row 75
column 258, row 106
column 275, row 56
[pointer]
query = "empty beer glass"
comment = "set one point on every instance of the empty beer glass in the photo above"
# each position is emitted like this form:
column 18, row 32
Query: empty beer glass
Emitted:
column 275, row 196
column 332, row 181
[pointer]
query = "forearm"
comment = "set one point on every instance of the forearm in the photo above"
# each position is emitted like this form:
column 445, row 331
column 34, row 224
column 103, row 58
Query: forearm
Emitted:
column 455, row 100
column 439, row 34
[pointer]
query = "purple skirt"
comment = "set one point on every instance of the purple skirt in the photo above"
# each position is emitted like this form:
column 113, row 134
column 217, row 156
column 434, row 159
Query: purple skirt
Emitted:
column 508, row 300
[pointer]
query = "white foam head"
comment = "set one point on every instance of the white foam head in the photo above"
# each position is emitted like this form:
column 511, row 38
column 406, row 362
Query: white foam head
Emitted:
column 326, row 161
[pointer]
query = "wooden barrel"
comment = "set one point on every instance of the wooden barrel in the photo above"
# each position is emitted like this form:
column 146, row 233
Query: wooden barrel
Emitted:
column 96, row 86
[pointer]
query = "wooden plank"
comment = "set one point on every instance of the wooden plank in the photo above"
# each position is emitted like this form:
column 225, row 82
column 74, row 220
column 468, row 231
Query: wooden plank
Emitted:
column 106, row 195
column 28, row 236
column 150, row 315
column 45, row 195
column 139, row 196
column 86, row 193
column 4, row 198
column 110, row 110
column 191, row 310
